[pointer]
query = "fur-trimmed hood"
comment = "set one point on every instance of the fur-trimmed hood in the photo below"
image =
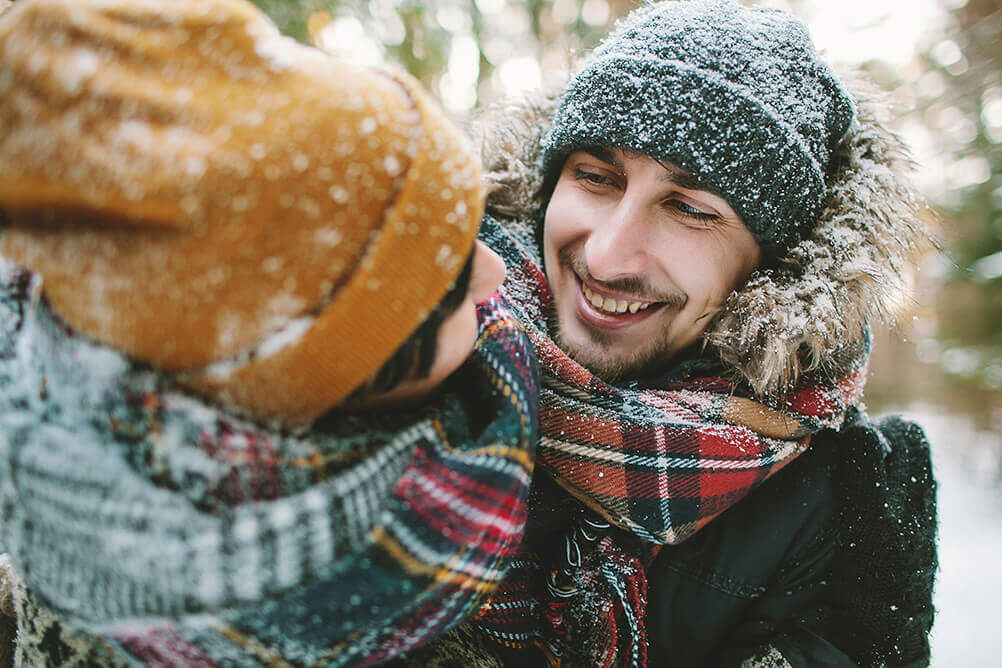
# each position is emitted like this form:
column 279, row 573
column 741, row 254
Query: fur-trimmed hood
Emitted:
column 795, row 316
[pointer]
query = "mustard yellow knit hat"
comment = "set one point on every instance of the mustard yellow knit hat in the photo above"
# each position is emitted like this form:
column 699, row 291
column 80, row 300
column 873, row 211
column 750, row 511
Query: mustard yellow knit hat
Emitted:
column 242, row 211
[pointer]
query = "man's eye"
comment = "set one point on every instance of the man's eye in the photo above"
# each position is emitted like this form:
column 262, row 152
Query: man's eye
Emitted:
column 592, row 177
column 691, row 212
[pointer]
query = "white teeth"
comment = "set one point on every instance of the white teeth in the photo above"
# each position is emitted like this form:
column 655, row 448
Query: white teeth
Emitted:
column 610, row 305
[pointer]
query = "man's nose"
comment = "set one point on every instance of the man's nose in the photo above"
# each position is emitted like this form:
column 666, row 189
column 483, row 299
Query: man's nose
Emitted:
column 616, row 246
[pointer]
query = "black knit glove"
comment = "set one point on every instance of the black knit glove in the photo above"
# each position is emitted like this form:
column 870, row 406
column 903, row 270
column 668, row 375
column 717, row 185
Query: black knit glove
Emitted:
column 879, row 602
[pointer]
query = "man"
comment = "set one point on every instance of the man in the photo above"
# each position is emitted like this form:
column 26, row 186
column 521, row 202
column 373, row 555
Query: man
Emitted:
column 706, row 221
column 221, row 248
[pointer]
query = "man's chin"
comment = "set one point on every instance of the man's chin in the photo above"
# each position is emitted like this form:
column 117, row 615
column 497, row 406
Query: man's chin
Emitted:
column 611, row 356
column 595, row 354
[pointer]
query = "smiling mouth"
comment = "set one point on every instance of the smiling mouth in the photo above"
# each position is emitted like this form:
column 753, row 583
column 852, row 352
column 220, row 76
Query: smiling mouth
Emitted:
column 611, row 305
column 606, row 311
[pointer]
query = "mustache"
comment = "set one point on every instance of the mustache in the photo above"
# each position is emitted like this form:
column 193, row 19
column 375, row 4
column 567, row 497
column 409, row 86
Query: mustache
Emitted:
column 633, row 285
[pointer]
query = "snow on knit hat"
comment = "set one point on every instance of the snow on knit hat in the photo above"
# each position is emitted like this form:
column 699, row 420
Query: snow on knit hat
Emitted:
column 736, row 96
column 223, row 203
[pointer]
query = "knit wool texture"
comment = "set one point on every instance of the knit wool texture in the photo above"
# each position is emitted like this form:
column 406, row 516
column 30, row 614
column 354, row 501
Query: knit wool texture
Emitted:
column 205, row 195
column 735, row 96
column 185, row 536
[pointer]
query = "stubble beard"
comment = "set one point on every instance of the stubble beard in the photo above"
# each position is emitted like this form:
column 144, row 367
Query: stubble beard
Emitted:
column 596, row 355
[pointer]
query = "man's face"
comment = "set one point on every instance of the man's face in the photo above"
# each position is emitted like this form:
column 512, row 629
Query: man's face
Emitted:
column 639, row 257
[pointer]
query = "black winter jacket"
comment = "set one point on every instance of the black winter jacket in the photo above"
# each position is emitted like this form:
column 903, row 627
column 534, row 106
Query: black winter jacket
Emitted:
column 829, row 563
column 739, row 583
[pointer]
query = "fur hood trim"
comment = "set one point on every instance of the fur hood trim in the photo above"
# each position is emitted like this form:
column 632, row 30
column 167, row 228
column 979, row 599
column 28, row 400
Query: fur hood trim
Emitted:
column 797, row 315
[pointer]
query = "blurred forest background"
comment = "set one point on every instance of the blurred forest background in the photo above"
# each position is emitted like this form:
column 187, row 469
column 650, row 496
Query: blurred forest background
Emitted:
column 940, row 62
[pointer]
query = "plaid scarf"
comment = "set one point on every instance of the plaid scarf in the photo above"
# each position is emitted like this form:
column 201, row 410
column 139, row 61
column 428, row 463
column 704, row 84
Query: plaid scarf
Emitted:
column 656, row 460
column 183, row 536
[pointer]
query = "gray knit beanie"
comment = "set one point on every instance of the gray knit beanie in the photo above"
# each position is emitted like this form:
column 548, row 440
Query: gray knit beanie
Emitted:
column 736, row 96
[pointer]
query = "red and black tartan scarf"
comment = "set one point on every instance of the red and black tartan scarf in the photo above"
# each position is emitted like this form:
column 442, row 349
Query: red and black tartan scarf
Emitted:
column 182, row 535
column 657, row 462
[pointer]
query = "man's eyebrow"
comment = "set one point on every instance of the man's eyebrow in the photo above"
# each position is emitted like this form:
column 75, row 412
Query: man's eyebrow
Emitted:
column 684, row 179
column 673, row 175
column 605, row 155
